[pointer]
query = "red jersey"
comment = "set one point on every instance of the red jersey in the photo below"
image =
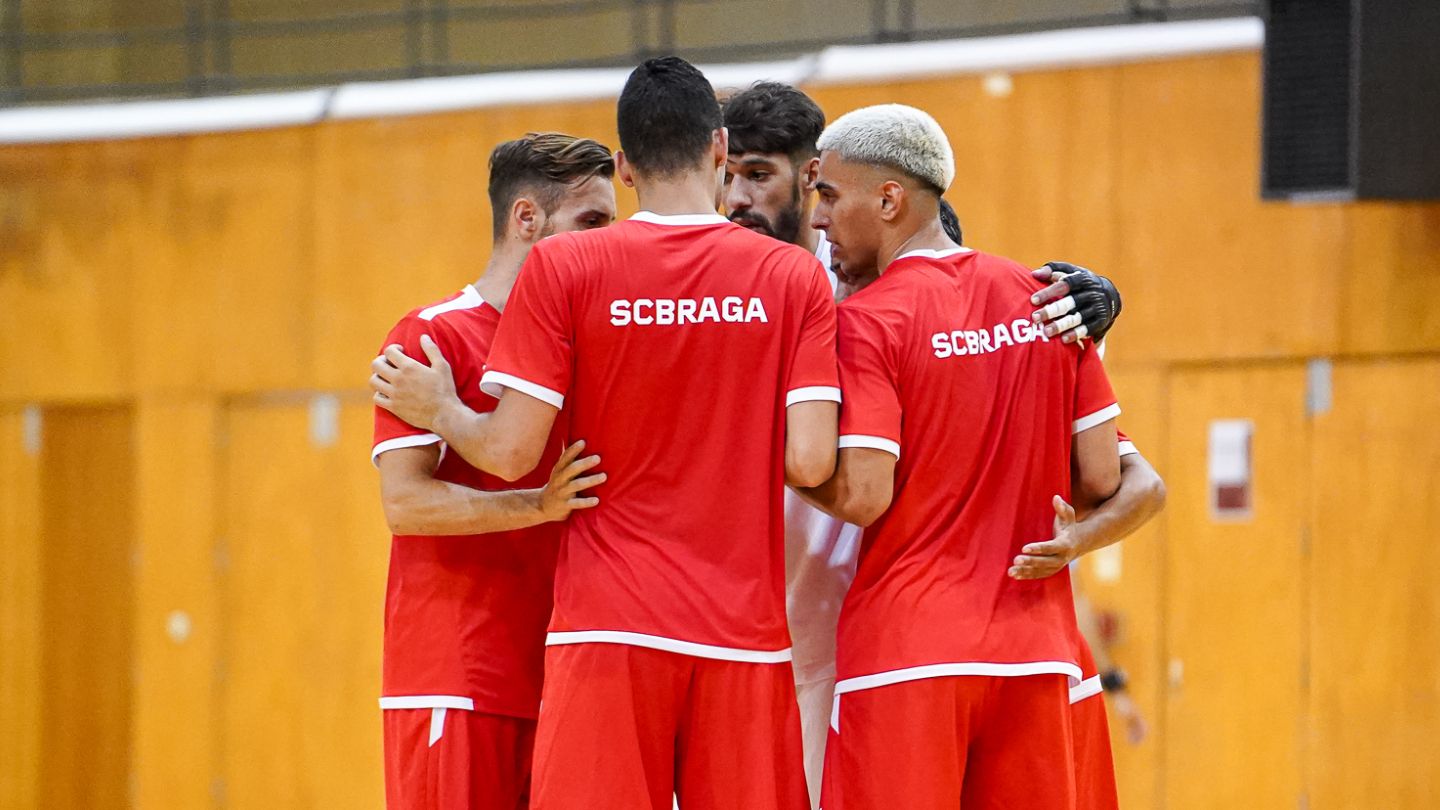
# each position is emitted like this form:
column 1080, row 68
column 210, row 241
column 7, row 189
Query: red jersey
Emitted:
column 465, row 615
column 675, row 344
column 941, row 366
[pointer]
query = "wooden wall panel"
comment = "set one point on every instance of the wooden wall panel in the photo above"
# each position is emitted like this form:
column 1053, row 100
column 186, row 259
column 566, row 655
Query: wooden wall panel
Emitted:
column 88, row 659
column 1391, row 280
column 63, row 314
column 302, row 599
column 177, row 622
column 1375, row 615
column 1128, row 581
column 21, row 620
column 1211, row 272
column 224, row 264
column 1235, row 597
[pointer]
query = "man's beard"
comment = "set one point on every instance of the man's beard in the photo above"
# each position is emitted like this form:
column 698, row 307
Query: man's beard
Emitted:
column 786, row 227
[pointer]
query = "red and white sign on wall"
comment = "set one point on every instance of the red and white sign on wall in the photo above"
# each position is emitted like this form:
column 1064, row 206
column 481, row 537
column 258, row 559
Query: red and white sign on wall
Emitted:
column 1232, row 495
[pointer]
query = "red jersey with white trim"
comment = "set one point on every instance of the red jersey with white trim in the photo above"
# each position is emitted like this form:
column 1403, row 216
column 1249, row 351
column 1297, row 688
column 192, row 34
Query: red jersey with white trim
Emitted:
column 465, row 616
column 941, row 366
column 675, row 343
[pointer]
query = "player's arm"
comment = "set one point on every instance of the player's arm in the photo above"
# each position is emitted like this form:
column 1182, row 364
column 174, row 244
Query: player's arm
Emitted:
column 811, row 429
column 507, row 442
column 416, row 503
column 1139, row 496
column 860, row 490
column 1077, row 304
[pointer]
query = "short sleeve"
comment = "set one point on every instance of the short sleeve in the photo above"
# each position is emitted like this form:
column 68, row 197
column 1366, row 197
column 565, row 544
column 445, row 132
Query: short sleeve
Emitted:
column 813, row 374
column 870, row 416
column 1127, row 447
column 534, row 344
column 1095, row 402
column 391, row 432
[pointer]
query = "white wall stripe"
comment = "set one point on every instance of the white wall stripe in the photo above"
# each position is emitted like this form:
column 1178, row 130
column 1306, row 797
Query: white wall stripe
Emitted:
column 1046, row 50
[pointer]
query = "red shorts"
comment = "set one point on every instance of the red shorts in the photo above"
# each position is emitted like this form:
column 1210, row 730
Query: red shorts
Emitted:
column 1094, row 764
column 628, row 728
column 478, row 761
column 974, row 741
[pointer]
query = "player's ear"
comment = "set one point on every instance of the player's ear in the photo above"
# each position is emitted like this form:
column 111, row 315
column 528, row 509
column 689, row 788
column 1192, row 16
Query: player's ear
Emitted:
column 720, row 141
column 624, row 169
column 892, row 198
column 809, row 173
column 526, row 219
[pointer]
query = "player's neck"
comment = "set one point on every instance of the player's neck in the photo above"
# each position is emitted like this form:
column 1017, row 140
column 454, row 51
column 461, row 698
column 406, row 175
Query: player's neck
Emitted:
column 500, row 274
column 928, row 235
column 689, row 193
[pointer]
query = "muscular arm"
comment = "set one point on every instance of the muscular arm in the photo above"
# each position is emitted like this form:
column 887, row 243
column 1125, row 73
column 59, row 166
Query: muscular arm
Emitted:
column 811, row 430
column 860, row 490
column 416, row 503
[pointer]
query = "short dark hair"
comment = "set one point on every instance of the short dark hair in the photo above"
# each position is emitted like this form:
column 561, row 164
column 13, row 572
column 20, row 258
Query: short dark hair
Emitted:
column 774, row 118
column 667, row 116
column 543, row 164
column 950, row 221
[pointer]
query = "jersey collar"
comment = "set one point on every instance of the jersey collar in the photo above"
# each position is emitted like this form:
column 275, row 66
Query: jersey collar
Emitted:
column 679, row 219
column 934, row 254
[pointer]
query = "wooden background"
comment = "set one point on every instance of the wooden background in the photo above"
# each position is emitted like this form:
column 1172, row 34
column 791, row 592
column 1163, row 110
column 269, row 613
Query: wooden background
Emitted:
column 192, row 555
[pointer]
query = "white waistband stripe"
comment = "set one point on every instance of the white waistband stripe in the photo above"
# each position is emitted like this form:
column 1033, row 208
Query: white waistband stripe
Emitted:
column 668, row 645
column 895, row 676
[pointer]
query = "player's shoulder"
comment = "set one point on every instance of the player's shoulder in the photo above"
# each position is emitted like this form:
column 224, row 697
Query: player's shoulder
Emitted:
column 1003, row 270
column 462, row 311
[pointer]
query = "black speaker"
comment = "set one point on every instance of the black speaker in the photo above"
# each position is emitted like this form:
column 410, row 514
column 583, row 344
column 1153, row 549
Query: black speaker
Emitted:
column 1352, row 100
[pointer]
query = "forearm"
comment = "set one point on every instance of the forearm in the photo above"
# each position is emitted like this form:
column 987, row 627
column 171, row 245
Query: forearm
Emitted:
column 467, row 433
column 436, row 507
column 846, row 499
column 1140, row 497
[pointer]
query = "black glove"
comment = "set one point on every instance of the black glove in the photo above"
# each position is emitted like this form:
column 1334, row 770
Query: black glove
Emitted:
column 1094, row 302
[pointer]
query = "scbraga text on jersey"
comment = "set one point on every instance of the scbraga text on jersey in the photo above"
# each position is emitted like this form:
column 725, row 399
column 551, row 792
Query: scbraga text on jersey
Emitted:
column 681, row 311
column 983, row 341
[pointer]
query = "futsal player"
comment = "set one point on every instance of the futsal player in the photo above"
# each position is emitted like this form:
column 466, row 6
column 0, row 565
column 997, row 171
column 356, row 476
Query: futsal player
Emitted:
column 774, row 129
column 472, row 559
column 955, row 670
column 697, row 358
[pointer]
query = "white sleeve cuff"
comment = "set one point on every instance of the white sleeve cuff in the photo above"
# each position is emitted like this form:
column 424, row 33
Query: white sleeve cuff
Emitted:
column 1128, row 449
column 813, row 393
column 872, row 442
column 1099, row 417
column 403, row 441
column 493, row 382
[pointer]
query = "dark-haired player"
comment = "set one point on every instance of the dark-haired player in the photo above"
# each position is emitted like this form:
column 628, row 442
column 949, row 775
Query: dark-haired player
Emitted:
column 472, row 560
column 697, row 359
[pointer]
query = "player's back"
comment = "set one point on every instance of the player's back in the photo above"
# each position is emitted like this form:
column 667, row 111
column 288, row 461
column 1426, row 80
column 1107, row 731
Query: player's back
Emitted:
column 989, row 405
column 688, row 334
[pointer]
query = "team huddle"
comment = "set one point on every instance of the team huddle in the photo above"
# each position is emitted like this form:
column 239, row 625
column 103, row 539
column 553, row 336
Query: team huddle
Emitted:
column 769, row 509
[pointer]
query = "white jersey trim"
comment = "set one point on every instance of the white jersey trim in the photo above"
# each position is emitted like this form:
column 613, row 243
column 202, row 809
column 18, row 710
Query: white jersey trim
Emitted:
column 1128, row 449
column 812, row 393
column 895, row 676
column 469, row 298
column 1099, row 417
column 427, row 702
column 872, row 442
column 678, row 219
column 403, row 441
column 934, row 254
column 1090, row 687
column 668, row 645
column 492, row 381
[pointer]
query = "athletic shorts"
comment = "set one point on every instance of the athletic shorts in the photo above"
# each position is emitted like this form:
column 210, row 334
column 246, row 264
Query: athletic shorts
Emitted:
column 630, row 728
column 976, row 742
column 1094, row 762
column 453, row 759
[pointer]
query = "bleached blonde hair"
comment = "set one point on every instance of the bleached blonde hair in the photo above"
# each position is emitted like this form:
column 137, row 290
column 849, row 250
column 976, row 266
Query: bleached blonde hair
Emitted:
column 897, row 136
